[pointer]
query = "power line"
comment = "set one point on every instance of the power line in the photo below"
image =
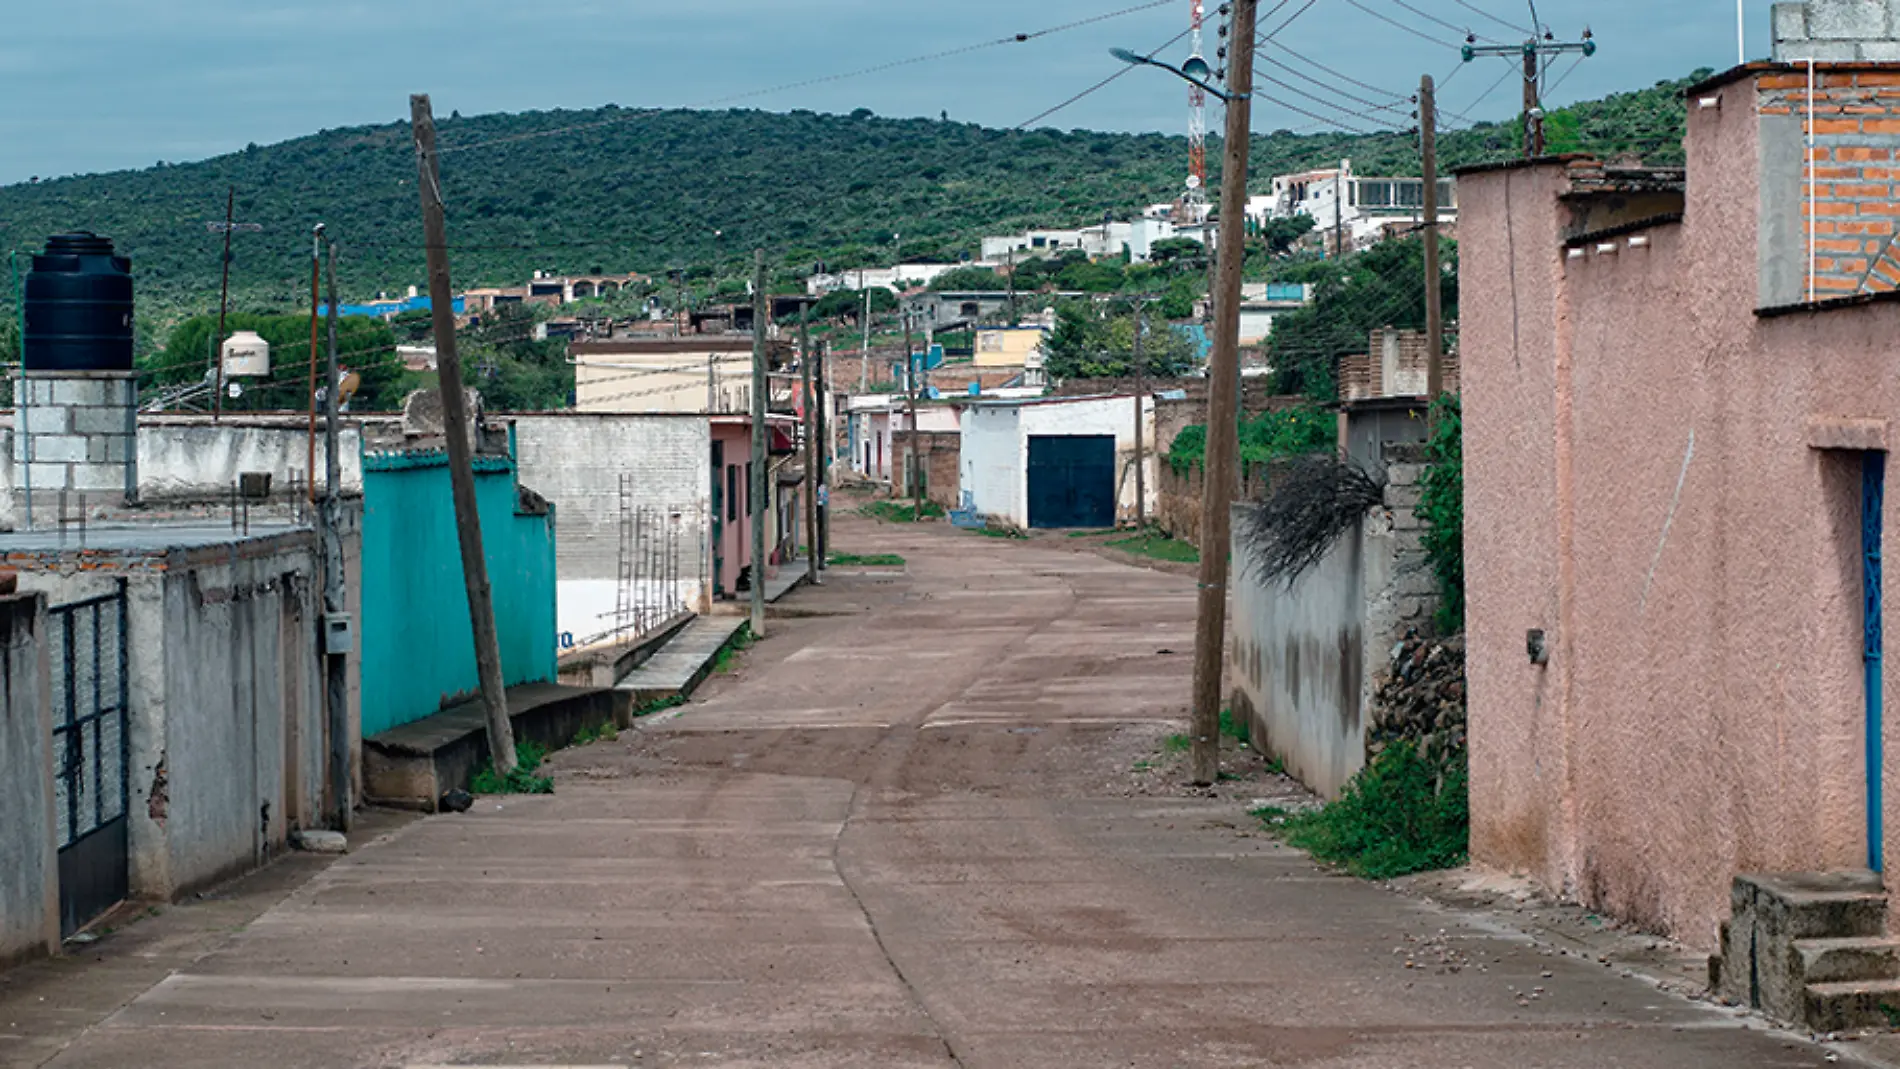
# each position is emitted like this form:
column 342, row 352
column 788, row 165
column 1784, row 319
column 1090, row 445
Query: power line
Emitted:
column 1018, row 38
column 1311, row 62
column 1414, row 31
column 1291, row 19
column 1429, row 17
column 1513, row 27
column 1264, row 76
column 1098, row 85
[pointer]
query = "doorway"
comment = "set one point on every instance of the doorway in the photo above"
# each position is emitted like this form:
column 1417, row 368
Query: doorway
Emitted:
column 1873, row 494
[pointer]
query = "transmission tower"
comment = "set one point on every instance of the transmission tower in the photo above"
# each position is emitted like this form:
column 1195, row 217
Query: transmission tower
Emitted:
column 1196, row 199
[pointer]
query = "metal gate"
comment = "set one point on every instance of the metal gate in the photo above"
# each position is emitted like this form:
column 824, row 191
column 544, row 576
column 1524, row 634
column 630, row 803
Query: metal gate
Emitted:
column 91, row 756
column 1072, row 481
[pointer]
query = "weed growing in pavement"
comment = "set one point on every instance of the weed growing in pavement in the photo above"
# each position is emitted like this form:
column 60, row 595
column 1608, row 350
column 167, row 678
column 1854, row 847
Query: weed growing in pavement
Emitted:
column 1092, row 533
column 1177, row 744
column 584, row 737
column 901, row 511
column 1395, row 818
column 1232, row 727
column 1144, row 766
column 741, row 641
column 528, row 758
column 999, row 532
column 1157, row 546
column 867, row 560
column 658, row 705
column 1276, row 766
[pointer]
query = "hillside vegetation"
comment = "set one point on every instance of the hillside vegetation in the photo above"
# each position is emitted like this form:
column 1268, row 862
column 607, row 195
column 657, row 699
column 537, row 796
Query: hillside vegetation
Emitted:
column 620, row 190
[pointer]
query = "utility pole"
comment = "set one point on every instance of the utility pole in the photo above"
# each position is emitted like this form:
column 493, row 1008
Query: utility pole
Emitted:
column 1141, row 415
column 316, row 301
column 1434, row 302
column 756, row 492
column 1223, row 409
column 455, row 420
column 824, row 471
column 811, row 443
column 1011, row 257
column 1534, row 52
column 1339, row 212
column 910, row 388
column 224, row 302
column 336, row 675
column 864, row 354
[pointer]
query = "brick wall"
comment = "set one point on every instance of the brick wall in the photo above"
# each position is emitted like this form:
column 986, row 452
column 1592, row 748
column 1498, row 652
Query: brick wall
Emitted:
column 1178, row 498
column 1853, row 212
column 1396, row 365
column 941, row 453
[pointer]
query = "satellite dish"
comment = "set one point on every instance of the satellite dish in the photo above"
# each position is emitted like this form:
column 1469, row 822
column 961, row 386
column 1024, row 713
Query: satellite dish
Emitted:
column 1196, row 68
column 1194, row 181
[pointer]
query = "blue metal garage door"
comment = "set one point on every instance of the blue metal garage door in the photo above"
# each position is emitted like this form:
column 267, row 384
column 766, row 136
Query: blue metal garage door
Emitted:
column 1072, row 481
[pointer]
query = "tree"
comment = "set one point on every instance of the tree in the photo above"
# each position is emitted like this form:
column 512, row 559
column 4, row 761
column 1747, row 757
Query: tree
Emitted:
column 1178, row 252
column 1381, row 287
column 1085, row 344
column 1282, row 234
column 514, row 371
column 849, row 304
column 980, row 279
column 365, row 346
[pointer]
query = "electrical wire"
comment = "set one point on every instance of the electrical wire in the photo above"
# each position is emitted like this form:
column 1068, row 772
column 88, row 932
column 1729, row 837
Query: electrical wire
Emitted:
column 1265, row 77
column 1311, row 62
column 1018, row 38
column 1290, row 20
column 1429, row 17
column 1572, row 69
column 1169, row 43
column 1414, row 31
column 1513, row 27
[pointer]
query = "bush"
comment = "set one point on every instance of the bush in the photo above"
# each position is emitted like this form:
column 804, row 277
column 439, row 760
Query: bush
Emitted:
column 1265, row 437
column 902, row 511
column 528, row 758
column 1398, row 816
column 1442, row 508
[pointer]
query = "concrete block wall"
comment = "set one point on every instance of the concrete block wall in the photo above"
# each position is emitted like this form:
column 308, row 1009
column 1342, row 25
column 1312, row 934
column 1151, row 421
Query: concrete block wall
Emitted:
column 1847, row 191
column 29, row 862
column 1837, row 30
column 77, row 433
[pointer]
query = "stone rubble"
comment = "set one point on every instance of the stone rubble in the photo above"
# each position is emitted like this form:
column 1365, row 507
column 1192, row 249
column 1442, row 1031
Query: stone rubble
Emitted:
column 1421, row 699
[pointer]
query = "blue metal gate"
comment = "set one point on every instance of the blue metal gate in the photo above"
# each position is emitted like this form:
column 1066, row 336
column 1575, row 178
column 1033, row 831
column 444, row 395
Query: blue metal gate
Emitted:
column 1072, row 481
column 1873, row 493
column 91, row 756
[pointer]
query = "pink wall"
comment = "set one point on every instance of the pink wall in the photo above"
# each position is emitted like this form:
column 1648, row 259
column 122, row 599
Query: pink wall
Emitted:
column 735, row 534
column 1645, row 481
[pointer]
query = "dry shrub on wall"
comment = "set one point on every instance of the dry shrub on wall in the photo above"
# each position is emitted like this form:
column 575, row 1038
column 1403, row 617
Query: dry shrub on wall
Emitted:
column 1312, row 501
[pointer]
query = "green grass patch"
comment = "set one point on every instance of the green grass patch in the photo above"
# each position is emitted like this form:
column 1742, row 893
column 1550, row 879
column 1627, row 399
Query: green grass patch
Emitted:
column 902, row 511
column 740, row 642
column 1092, row 534
column 866, row 560
column 523, row 780
column 659, row 705
column 999, row 532
column 1177, row 744
column 1395, row 818
column 1232, row 726
column 1157, row 546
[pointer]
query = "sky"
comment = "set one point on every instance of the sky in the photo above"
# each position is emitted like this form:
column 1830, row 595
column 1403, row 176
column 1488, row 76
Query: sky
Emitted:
column 117, row 84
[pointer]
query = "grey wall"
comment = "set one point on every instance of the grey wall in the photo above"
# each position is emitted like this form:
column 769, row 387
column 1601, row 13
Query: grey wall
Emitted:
column 225, row 694
column 1306, row 658
column 29, row 866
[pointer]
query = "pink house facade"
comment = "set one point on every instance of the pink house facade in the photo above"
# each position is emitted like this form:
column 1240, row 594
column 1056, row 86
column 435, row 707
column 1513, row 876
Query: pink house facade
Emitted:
column 1679, row 393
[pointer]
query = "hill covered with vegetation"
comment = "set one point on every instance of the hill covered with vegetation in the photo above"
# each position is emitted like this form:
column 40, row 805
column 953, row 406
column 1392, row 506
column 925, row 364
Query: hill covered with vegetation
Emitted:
column 614, row 189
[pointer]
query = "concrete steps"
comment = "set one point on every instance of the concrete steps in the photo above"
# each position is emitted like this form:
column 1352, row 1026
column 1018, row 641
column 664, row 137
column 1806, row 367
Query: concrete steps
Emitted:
column 683, row 663
column 1812, row 948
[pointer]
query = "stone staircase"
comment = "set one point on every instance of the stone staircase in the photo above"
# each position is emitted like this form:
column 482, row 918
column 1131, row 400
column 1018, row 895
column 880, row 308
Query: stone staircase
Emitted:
column 1811, row 948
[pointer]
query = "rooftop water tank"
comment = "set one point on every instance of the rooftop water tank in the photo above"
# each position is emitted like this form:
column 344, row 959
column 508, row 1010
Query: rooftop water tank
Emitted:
column 79, row 306
column 246, row 355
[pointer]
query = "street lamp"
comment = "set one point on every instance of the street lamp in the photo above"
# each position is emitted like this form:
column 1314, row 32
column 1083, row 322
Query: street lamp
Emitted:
column 1195, row 73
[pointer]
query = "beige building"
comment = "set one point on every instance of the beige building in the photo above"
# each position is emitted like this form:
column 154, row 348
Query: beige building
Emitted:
column 663, row 375
column 1009, row 346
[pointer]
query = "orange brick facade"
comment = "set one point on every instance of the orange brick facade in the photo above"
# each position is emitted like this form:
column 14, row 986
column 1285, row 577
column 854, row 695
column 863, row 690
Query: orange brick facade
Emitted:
column 1851, row 217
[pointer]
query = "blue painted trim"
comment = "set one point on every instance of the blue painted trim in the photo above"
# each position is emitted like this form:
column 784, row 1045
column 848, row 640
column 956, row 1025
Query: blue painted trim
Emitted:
column 1873, row 505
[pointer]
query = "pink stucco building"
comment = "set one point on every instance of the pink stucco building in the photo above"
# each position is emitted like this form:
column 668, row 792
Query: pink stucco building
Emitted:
column 1679, row 390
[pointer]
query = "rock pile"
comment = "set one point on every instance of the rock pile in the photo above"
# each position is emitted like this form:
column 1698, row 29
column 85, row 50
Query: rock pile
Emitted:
column 1422, row 699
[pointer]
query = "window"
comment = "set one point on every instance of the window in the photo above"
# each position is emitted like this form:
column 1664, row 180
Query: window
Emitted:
column 732, row 494
column 750, row 505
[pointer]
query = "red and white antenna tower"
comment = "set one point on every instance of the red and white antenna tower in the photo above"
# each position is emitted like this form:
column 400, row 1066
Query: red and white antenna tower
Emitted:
column 1196, row 199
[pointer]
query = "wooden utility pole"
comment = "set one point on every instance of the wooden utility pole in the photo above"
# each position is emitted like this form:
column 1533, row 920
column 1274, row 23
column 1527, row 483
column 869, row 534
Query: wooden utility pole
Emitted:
column 316, row 301
column 1339, row 212
column 864, row 354
column 1223, row 409
column 824, row 471
column 455, row 427
column 1434, row 301
column 1533, row 121
column 336, row 675
column 910, row 388
column 1141, row 416
column 811, row 443
column 224, row 302
column 756, row 491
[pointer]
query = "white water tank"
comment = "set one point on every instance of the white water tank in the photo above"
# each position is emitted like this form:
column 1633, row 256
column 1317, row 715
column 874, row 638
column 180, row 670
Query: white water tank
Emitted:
column 246, row 355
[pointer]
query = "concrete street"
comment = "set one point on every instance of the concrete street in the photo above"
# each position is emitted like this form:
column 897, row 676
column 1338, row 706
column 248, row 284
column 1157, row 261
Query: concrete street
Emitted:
column 930, row 821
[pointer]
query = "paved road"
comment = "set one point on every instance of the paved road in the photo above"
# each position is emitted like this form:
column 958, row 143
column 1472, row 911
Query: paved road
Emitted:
column 910, row 830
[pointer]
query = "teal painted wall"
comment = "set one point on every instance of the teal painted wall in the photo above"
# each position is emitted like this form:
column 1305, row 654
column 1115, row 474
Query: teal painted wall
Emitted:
column 418, row 645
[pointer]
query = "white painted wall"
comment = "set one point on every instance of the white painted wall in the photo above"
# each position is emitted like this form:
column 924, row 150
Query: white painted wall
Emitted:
column 575, row 461
column 993, row 461
column 996, row 450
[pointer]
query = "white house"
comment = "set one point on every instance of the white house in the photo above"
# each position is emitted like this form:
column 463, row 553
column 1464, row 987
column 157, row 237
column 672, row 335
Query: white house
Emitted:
column 1056, row 462
column 1363, row 209
column 896, row 279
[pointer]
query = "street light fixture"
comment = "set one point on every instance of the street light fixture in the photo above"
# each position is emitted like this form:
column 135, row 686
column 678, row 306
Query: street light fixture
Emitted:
column 1196, row 73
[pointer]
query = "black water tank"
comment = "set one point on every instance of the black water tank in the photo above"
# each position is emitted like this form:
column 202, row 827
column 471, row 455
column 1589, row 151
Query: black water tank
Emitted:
column 79, row 306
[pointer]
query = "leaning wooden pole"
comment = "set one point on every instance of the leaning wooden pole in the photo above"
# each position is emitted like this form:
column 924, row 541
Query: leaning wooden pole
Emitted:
column 455, row 427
